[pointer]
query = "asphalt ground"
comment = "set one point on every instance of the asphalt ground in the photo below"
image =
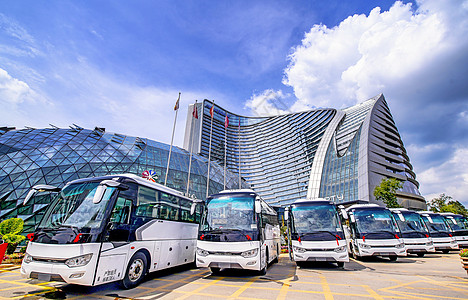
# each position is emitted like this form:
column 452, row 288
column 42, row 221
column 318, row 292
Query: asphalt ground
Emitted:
column 435, row 276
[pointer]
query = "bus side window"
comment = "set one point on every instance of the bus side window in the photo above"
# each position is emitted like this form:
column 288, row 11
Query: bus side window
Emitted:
column 171, row 203
column 185, row 206
column 121, row 211
column 147, row 199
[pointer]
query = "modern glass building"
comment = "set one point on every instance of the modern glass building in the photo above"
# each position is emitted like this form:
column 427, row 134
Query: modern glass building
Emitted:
column 55, row 156
column 341, row 155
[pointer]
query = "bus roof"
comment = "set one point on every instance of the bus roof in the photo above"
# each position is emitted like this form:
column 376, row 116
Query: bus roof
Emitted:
column 364, row 206
column 313, row 201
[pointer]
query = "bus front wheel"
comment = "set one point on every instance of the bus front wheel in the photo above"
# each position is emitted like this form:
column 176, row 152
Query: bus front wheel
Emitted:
column 135, row 271
column 215, row 270
column 393, row 257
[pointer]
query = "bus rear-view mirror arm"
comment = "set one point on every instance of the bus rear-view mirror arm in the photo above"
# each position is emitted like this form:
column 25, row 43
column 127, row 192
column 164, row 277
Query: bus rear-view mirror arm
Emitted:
column 40, row 188
column 101, row 189
column 343, row 212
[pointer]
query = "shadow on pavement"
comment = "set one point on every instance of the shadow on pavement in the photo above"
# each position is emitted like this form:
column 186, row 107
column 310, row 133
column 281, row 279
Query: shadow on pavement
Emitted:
column 278, row 272
column 114, row 290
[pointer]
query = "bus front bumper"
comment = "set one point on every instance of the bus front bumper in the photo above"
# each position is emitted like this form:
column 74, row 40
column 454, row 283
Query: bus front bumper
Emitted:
column 234, row 255
column 44, row 271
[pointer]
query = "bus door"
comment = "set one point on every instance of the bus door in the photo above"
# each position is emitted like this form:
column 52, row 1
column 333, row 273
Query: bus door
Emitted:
column 117, row 237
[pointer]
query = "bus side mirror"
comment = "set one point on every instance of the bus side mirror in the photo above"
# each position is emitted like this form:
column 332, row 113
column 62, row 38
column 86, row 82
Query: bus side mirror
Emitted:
column 402, row 218
column 344, row 214
column 258, row 207
column 100, row 190
column 286, row 213
column 192, row 208
column 40, row 188
column 352, row 219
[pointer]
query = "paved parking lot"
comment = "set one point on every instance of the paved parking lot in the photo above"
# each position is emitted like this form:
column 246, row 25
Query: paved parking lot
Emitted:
column 437, row 276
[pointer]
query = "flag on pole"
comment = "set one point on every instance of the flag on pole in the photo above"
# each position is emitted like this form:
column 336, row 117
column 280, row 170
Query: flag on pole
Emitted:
column 226, row 122
column 195, row 111
column 176, row 107
column 212, row 111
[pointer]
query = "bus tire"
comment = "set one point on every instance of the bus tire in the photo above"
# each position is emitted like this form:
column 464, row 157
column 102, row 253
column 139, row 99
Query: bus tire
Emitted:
column 393, row 257
column 420, row 254
column 214, row 270
column 264, row 270
column 340, row 264
column 445, row 251
column 136, row 271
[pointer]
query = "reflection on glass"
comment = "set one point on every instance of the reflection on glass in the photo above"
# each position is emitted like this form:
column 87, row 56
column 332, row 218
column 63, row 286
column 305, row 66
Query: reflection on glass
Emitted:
column 315, row 218
column 227, row 212
column 370, row 221
column 74, row 207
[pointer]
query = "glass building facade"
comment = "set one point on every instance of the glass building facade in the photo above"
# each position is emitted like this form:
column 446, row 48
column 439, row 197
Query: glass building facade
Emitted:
column 341, row 155
column 55, row 156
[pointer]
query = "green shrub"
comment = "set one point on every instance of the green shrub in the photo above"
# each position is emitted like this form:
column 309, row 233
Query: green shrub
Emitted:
column 464, row 253
column 10, row 230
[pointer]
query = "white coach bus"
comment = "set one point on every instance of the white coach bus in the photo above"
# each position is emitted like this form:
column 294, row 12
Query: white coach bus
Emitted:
column 414, row 231
column 459, row 226
column 238, row 231
column 440, row 231
column 374, row 232
column 316, row 232
column 112, row 228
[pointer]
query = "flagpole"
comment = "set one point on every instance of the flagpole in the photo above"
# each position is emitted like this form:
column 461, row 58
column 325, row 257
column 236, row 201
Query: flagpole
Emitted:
column 238, row 133
column 176, row 108
column 225, row 148
column 194, row 115
column 209, row 151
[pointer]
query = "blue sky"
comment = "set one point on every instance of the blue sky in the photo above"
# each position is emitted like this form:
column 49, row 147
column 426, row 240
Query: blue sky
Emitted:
column 121, row 64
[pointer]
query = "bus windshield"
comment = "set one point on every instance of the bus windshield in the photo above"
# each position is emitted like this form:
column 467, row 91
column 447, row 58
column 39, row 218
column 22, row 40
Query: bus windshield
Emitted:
column 230, row 212
column 74, row 207
column 412, row 226
column 315, row 218
column 374, row 221
column 438, row 224
column 461, row 223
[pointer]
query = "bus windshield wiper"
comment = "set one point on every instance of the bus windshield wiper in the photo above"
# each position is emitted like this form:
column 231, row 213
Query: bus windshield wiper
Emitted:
column 225, row 230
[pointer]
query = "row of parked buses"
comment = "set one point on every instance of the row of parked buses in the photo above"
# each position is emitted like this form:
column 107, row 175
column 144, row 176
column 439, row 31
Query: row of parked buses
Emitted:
column 121, row 227
column 317, row 234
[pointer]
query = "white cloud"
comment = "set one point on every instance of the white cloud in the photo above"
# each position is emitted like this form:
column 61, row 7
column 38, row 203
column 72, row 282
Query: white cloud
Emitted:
column 267, row 103
column 13, row 90
column 366, row 55
column 450, row 177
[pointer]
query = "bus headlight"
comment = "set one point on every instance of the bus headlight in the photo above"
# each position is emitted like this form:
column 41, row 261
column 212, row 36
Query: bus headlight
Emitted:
column 27, row 258
column 453, row 241
column 249, row 253
column 202, row 252
column 79, row 261
column 299, row 249
column 340, row 249
column 399, row 246
column 364, row 246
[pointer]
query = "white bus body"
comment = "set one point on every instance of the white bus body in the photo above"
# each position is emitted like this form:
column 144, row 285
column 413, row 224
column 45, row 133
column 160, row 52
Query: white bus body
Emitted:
column 315, row 232
column 238, row 231
column 459, row 226
column 414, row 232
column 373, row 232
column 136, row 227
column 440, row 231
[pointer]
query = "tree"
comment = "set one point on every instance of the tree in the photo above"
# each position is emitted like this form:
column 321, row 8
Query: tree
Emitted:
column 445, row 203
column 385, row 192
column 10, row 230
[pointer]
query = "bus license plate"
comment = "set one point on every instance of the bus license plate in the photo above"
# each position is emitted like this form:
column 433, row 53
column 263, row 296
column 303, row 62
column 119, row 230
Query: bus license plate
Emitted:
column 43, row 277
column 321, row 259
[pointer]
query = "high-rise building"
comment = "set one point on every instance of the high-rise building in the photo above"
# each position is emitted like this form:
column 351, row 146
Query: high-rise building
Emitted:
column 339, row 154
